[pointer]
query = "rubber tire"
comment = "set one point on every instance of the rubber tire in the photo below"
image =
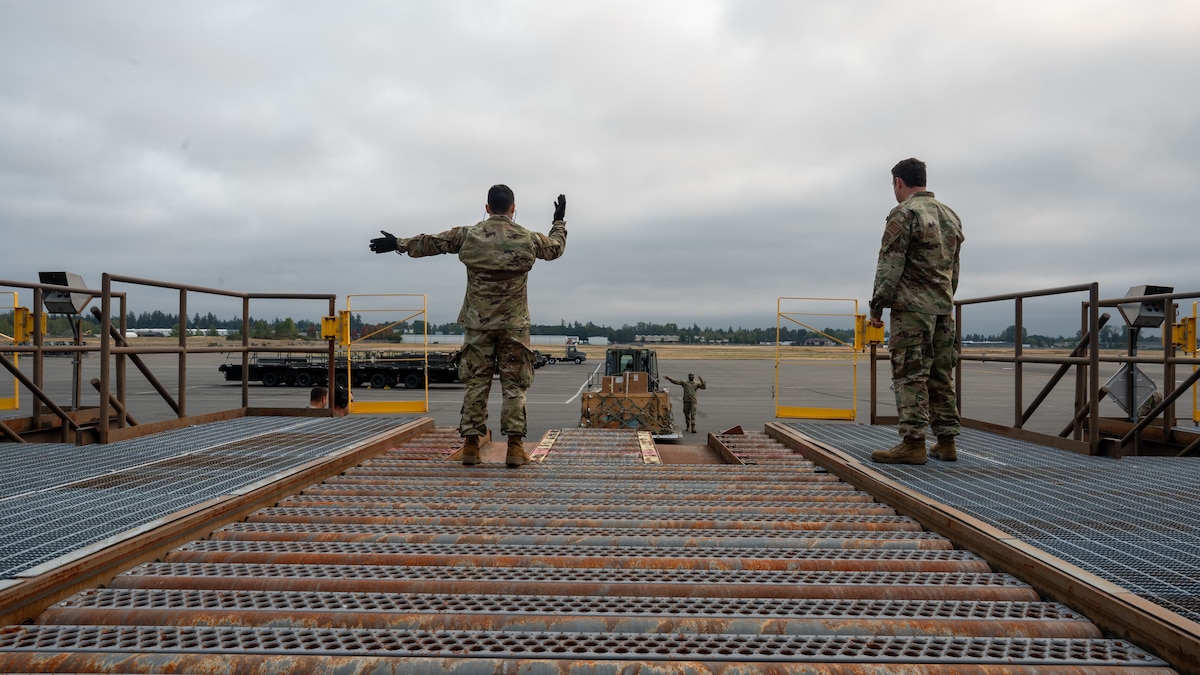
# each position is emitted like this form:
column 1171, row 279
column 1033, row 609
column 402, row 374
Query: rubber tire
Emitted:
column 304, row 379
column 379, row 381
column 270, row 379
column 413, row 381
column 552, row 361
column 578, row 360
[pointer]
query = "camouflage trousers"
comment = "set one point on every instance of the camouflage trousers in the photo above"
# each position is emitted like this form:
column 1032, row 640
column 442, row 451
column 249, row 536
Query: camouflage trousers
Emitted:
column 485, row 353
column 689, row 411
column 924, row 355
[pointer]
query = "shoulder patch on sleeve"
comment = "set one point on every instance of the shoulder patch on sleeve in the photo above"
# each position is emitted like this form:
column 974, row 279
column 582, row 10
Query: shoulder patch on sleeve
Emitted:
column 893, row 230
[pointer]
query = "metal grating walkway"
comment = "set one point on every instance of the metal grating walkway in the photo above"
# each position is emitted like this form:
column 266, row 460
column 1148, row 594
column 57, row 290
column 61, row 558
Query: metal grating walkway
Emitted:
column 596, row 563
column 56, row 499
column 1133, row 521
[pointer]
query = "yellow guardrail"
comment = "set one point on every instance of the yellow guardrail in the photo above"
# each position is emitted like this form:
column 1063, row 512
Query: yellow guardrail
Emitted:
column 1183, row 337
column 405, row 306
column 12, row 402
column 791, row 359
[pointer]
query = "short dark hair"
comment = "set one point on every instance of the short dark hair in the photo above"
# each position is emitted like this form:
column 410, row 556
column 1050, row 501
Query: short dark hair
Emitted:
column 317, row 394
column 911, row 171
column 500, row 198
column 341, row 397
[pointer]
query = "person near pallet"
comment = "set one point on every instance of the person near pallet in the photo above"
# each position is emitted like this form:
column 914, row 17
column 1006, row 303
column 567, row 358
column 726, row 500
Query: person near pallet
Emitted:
column 690, row 386
column 498, row 254
column 916, row 276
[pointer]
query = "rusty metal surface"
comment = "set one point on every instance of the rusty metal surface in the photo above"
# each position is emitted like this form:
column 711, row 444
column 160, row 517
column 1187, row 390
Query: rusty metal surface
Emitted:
column 864, row 559
column 561, row 612
column 830, row 540
column 437, row 444
column 666, row 582
column 756, row 448
column 577, row 645
column 587, row 561
column 598, row 446
column 480, row 658
column 499, row 527
column 534, row 518
column 305, row 520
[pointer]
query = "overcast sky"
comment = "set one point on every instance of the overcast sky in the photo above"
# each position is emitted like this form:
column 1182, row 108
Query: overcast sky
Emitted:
column 716, row 155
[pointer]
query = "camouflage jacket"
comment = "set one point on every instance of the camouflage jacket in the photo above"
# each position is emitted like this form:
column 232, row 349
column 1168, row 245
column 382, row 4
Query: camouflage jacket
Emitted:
column 498, row 254
column 689, row 387
column 918, row 259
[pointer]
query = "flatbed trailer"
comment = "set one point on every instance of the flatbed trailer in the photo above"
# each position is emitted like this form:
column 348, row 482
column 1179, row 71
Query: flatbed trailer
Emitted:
column 376, row 369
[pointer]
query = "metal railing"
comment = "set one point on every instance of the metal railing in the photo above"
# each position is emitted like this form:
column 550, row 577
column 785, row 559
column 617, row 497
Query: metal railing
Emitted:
column 1083, row 432
column 116, row 353
column 1162, row 416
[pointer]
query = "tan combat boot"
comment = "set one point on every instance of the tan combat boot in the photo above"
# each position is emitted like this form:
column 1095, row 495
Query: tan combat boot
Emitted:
column 944, row 449
column 909, row 451
column 516, row 452
column 470, row 450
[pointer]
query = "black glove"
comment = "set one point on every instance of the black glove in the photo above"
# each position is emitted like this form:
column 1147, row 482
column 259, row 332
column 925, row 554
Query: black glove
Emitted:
column 560, row 207
column 384, row 244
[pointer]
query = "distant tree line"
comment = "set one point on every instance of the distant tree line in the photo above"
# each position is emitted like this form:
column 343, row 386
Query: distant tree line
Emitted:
column 289, row 329
column 1111, row 337
column 628, row 333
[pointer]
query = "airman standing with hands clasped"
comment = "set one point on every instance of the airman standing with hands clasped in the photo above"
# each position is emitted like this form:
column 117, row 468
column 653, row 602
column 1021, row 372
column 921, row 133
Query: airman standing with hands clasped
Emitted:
column 498, row 255
column 917, row 276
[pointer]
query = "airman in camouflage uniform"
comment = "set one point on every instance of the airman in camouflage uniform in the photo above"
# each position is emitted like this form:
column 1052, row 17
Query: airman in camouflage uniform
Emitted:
column 498, row 254
column 690, row 400
column 916, row 277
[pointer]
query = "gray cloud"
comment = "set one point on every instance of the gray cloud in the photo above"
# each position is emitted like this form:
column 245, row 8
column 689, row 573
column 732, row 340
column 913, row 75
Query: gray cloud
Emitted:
column 716, row 155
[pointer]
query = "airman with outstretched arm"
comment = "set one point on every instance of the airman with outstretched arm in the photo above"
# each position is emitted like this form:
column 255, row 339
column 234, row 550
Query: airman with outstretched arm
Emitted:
column 498, row 254
column 690, row 402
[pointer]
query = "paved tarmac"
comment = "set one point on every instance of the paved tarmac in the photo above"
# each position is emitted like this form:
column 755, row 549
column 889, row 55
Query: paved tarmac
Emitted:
column 740, row 392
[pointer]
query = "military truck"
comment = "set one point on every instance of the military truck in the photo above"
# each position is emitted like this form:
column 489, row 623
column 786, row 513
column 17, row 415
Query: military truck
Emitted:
column 572, row 353
column 629, row 395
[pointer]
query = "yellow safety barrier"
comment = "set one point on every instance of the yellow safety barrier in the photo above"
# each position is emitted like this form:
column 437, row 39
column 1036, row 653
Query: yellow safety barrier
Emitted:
column 336, row 328
column 402, row 304
column 12, row 402
column 865, row 334
column 827, row 350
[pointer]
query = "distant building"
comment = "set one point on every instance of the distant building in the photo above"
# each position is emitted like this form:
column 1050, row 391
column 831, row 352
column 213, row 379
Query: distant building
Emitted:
column 534, row 340
column 656, row 338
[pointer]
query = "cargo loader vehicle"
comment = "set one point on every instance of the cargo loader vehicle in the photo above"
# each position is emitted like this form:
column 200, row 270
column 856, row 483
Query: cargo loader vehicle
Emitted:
column 629, row 395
